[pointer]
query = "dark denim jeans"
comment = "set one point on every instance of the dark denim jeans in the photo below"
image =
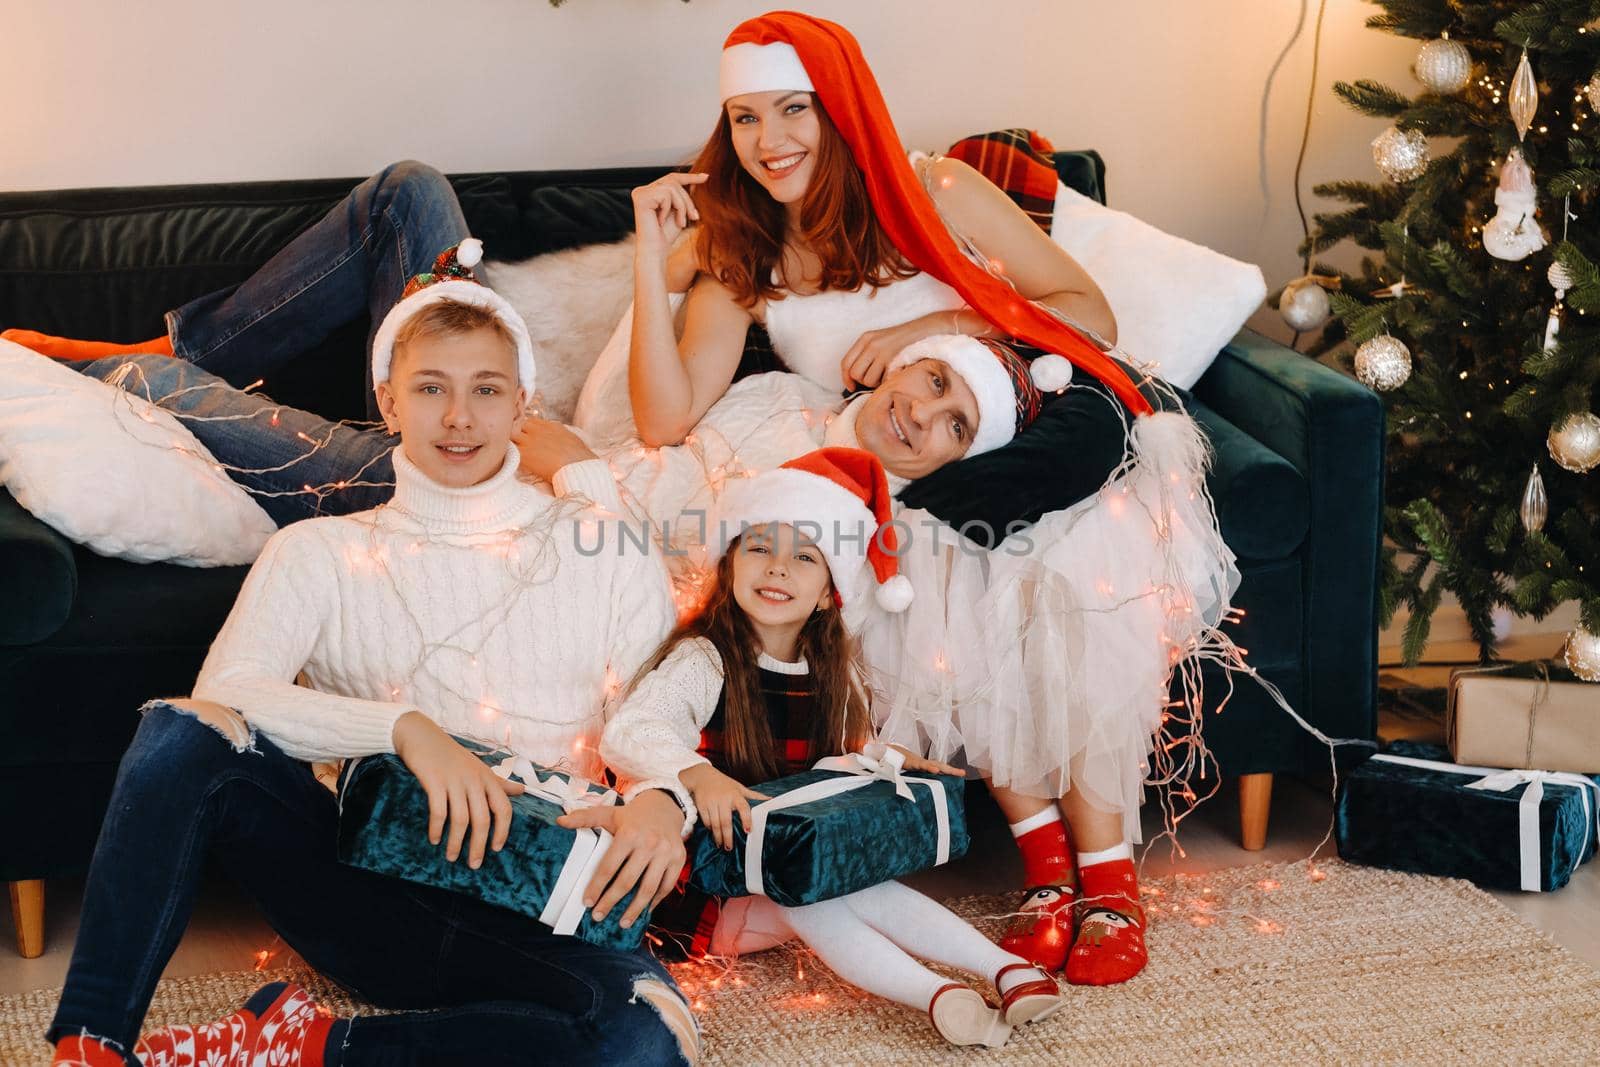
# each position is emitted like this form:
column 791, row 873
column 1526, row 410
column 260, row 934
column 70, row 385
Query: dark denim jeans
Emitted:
column 357, row 259
column 476, row 984
column 295, row 464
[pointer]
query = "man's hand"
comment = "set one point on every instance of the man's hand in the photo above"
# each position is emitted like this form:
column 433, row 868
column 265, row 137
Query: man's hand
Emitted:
column 545, row 447
column 718, row 797
column 461, row 788
column 645, row 856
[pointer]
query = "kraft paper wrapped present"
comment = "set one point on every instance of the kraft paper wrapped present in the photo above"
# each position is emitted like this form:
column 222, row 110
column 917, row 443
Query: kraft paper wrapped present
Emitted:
column 1525, row 715
column 849, row 823
column 541, row 872
column 1410, row 809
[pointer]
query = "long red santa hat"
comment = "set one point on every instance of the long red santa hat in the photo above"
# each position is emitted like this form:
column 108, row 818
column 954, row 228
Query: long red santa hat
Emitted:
column 831, row 60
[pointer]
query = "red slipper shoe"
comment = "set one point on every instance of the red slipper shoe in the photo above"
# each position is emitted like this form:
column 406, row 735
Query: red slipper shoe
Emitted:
column 1027, row 1001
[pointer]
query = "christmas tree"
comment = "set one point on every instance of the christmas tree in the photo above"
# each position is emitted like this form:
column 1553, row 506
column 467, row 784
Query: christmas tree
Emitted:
column 1499, row 312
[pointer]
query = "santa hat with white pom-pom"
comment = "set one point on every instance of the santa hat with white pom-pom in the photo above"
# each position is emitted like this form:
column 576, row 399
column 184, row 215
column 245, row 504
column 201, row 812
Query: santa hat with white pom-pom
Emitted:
column 1009, row 389
column 451, row 279
column 839, row 498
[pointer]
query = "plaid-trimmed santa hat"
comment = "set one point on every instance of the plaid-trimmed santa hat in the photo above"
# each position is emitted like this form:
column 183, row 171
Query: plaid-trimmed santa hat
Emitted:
column 1009, row 389
column 452, row 279
column 839, row 498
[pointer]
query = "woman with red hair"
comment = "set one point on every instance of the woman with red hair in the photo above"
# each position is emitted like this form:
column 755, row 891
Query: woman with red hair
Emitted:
column 803, row 213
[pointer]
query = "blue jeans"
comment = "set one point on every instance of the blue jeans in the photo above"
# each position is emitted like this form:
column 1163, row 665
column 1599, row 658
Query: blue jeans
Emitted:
column 357, row 259
column 295, row 464
column 476, row 984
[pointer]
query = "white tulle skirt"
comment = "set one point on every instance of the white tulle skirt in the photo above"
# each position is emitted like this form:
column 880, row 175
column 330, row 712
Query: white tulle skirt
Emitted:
column 1046, row 663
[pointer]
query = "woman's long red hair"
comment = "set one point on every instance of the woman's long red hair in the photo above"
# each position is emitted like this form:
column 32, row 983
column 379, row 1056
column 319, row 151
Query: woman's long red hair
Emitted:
column 742, row 229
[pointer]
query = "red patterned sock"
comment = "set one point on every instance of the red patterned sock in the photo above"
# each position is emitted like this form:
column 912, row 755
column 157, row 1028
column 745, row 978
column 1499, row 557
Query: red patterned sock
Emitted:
column 279, row 1025
column 72, row 348
column 1043, row 928
column 1109, row 946
column 81, row 1051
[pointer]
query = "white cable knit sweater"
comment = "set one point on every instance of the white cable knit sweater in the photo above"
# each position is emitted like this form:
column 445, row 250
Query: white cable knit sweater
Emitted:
column 475, row 606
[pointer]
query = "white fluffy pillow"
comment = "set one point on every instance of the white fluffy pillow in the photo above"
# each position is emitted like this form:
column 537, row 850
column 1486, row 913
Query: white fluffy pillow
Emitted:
column 1177, row 303
column 115, row 473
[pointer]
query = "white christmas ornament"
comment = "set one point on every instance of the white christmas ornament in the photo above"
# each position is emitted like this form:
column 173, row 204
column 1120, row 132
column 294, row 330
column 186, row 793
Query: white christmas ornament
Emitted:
column 1400, row 154
column 1524, row 97
column 1383, row 363
column 1575, row 443
column 1559, row 277
column 1535, row 504
column 1304, row 304
column 1444, row 65
column 1514, row 233
column 1583, row 654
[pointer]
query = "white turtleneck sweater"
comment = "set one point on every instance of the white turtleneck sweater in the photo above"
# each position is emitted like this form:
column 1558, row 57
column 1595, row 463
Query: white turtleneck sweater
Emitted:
column 477, row 607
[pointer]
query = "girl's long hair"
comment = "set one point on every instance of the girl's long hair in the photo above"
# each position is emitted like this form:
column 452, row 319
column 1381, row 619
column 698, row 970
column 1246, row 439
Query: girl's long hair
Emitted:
column 751, row 752
column 742, row 229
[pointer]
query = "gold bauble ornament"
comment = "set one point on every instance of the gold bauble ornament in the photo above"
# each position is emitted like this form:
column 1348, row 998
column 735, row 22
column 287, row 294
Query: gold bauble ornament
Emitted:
column 1400, row 154
column 1383, row 363
column 1304, row 303
column 1524, row 96
column 1445, row 66
column 1592, row 91
column 1535, row 504
column 1575, row 443
column 1583, row 654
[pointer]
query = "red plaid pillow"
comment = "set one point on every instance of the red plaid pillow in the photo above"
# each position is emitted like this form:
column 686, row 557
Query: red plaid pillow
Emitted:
column 1018, row 161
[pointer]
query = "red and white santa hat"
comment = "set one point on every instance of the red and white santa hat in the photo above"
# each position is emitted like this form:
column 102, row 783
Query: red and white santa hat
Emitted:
column 452, row 279
column 761, row 68
column 838, row 497
column 1009, row 389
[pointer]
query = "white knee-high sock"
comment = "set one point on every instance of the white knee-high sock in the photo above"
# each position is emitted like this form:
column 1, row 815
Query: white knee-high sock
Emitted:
column 862, row 956
column 929, row 930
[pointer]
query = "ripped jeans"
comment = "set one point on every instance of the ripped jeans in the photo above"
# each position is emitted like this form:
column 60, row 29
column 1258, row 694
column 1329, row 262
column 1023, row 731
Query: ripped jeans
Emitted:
column 474, row 984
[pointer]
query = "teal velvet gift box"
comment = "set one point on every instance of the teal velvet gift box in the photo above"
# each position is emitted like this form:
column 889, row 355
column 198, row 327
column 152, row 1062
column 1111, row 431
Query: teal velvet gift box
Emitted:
column 1410, row 809
column 541, row 872
column 847, row 824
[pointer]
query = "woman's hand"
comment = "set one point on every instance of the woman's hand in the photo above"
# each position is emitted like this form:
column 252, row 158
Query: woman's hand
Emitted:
column 646, row 852
column 663, row 209
column 718, row 797
column 545, row 446
column 461, row 788
column 867, row 361
column 914, row 762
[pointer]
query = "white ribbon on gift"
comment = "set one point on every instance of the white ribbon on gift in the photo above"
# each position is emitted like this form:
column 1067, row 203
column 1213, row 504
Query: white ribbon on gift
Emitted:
column 1498, row 780
column 862, row 770
column 563, row 911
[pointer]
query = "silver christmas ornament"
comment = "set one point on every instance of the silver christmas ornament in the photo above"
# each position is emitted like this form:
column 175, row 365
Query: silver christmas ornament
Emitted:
column 1535, row 505
column 1575, row 443
column 1524, row 96
column 1383, row 363
column 1444, row 65
column 1559, row 277
column 1304, row 304
column 1592, row 90
column 1583, row 654
column 1400, row 154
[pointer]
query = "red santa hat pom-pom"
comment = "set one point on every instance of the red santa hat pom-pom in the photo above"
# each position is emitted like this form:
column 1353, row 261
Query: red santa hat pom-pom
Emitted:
column 1050, row 373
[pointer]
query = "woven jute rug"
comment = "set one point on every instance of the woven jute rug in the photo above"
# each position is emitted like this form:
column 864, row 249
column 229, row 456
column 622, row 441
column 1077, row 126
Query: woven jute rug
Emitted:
column 1276, row 963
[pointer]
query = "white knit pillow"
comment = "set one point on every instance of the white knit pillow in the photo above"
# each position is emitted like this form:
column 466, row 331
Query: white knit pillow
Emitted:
column 115, row 473
column 1177, row 303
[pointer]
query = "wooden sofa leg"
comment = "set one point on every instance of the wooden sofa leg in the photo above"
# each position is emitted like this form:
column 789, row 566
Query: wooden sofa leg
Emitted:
column 1255, row 802
column 27, row 913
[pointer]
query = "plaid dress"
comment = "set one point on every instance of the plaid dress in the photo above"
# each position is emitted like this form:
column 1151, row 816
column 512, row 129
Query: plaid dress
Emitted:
column 681, row 926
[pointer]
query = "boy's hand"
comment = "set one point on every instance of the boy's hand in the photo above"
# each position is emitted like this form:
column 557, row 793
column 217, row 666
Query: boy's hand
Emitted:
column 461, row 788
column 646, row 852
column 718, row 797
column 914, row 762
column 545, row 447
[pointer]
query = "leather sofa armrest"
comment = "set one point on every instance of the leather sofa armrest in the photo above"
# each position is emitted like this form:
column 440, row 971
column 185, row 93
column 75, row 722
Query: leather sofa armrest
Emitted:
column 38, row 576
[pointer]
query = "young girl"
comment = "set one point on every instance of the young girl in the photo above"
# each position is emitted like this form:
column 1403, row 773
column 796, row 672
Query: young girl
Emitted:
column 764, row 680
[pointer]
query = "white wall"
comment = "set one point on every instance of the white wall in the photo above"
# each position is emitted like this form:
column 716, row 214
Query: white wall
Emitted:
column 1170, row 91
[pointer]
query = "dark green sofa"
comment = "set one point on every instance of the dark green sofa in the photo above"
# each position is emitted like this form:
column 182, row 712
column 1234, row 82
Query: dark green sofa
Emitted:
column 85, row 640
